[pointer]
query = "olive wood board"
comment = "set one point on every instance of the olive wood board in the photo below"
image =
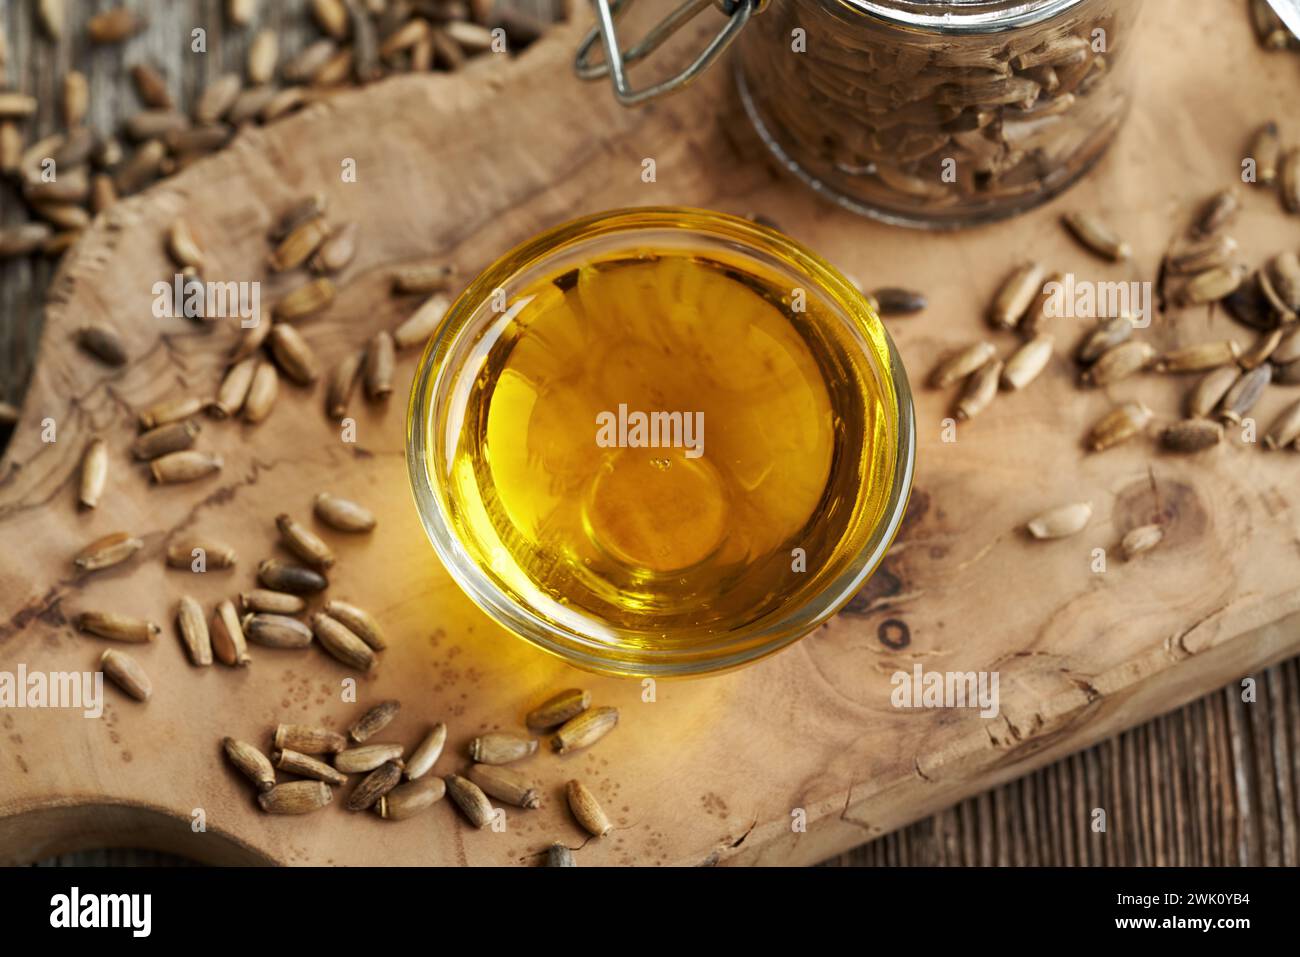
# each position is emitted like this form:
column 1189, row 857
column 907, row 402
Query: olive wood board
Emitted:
column 716, row 770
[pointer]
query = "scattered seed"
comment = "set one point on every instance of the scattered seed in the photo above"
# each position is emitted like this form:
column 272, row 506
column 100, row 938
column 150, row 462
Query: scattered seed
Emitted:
column 1285, row 428
column 16, row 105
column 151, row 87
column 1191, row 435
column 271, row 602
column 1119, row 425
column 172, row 410
column 1218, row 211
column 102, row 342
column 1119, row 362
column 296, row 797
column 251, row 762
column 263, row 54
column 240, row 12
column 182, row 246
column 1260, row 351
column 558, row 709
column 142, row 168
column 24, row 239
column 343, row 644
column 960, row 364
column 471, row 800
column 94, row 473
column 234, row 389
column 282, row 103
column 306, row 300
column 303, row 542
column 424, row 757
column 335, row 253
column 379, row 366
column 185, row 553
column 407, row 800
column 51, row 15
column 1209, row 391
column 76, row 98
column 1284, row 275
column 304, row 65
column 1016, row 295
column 586, row 809
column 1027, row 362
column 415, row 331
column 374, row 786
column 106, row 624
column 227, row 636
column 217, row 98
column 276, row 631
column 1141, row 539
column 342, row 514
column 358, row 621
column 557, row 855
column 1273, row 300
column 261, row 393
column 584, row 730
column 505, row 784
column 186, row 466
column 979, row 390
column 893, row 301
column 1290, row 180
column 107, row 551
column 501, row 747
column 366, row 758
column 172, row 437
column 374, row 720
column 306, row 739
column 284, row 576
column 299, row 243
column 342, row 382
column 125, row 672
column 295, row 358
column 1096, row 236
column 1201, row 254
column 423, row 278
column 1061, row 522
column 304, row 765
column 1265, row 149
column 193, row 626
column 152, row 124
column 332, row 17
column 1241, row 398
column 250, row 104
column 1198, row 358
column 113, row 26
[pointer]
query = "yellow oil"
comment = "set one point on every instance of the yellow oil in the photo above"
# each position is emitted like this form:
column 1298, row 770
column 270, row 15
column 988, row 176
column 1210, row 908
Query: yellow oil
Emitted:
column 773, row 464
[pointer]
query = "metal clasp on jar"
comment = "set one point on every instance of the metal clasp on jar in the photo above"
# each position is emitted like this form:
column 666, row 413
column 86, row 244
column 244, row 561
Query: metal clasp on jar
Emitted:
column 617, row 59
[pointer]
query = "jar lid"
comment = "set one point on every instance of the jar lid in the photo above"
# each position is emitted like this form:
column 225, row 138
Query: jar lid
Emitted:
column 961, row 16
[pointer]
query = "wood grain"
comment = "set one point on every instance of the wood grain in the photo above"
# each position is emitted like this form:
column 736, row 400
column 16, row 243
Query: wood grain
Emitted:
column 1050, row 813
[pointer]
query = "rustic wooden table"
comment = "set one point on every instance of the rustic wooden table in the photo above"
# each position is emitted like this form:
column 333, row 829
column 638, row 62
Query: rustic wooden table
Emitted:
column 1215, row 783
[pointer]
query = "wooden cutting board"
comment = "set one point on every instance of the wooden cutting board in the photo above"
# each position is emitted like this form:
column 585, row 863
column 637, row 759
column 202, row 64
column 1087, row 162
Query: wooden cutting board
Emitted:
column 712, row 770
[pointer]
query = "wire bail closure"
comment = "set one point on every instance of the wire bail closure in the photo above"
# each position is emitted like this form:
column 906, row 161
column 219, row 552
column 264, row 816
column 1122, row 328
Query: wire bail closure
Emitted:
column 617, row 59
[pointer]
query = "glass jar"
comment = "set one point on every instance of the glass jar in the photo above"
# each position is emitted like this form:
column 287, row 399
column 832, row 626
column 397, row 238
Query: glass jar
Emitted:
column 629, row 553
column 931, row 113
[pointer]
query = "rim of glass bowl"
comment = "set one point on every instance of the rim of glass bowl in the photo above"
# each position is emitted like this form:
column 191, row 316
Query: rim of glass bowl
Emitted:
column 962, row 16
column 755, row 642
